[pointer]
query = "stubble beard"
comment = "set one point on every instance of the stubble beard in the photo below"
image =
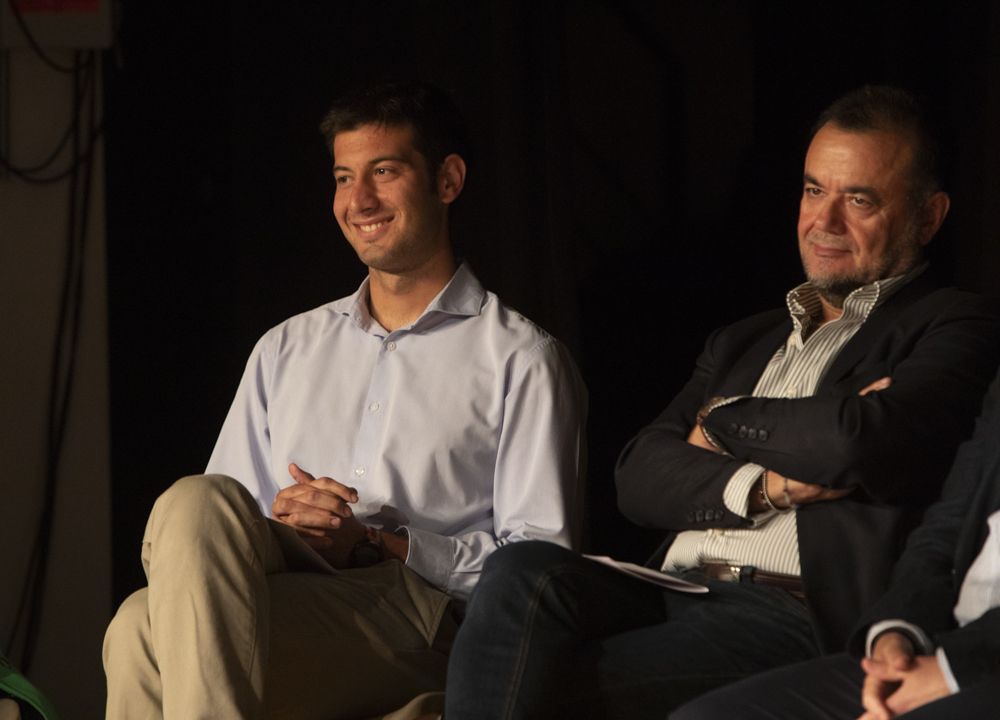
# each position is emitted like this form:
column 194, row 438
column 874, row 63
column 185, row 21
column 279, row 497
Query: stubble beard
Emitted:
column 901, row 256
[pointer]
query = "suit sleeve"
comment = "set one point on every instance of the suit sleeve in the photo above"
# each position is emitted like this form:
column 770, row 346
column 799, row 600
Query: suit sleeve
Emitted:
column 665, row 482
column 923, row 590
column 896, row 444
column 974, row 650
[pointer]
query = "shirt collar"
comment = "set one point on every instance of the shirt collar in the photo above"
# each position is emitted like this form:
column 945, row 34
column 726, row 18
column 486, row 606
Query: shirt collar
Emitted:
column 805, row 307
column 463, row 296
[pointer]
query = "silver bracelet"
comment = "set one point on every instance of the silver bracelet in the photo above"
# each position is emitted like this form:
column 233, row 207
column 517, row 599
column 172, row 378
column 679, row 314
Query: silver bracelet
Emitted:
column 767, row 498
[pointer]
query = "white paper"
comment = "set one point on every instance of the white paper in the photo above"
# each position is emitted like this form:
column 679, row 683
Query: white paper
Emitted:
column 649, row 575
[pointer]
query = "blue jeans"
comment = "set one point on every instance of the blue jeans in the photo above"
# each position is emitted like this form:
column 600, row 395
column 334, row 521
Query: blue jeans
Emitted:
column 551, row 634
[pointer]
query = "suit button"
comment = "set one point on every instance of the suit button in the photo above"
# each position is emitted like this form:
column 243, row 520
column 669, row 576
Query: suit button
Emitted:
column 699, row 515
column 762, row 435
column 689, row 516
column 733, row 428
column 743, row 431
column 752, row 433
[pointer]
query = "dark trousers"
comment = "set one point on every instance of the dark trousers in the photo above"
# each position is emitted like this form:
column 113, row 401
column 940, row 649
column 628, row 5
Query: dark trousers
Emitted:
column 827, row 688
column 551, row 634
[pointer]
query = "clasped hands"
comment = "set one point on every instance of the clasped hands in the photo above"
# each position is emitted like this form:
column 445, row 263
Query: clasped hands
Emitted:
column 781, row 489
column 319, row 511
column 897, row 680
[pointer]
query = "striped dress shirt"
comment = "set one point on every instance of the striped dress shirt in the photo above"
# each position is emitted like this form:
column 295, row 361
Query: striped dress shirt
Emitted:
column 771, row 543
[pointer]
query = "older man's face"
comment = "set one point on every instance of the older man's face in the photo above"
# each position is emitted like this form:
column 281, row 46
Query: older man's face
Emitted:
column 857, row 222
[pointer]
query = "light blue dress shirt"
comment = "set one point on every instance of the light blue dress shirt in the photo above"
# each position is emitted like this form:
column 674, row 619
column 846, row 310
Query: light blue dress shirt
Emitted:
column 465, row 429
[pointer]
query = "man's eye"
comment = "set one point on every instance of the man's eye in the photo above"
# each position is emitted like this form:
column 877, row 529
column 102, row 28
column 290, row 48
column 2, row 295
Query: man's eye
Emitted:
column 341, row 179
column 384, row 172
column 858, row 201
column 812, row 191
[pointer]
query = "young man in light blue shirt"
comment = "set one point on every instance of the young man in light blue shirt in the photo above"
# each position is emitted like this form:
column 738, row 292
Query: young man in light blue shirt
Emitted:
column 379, row 448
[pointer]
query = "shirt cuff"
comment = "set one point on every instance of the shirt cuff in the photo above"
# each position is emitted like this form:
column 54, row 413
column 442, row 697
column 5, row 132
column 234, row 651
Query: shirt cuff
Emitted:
column 921, row 641
column 949, row 677
column 736, row 496
column 428, row 556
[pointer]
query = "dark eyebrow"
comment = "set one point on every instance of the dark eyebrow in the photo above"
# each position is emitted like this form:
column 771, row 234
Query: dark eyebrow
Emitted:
column 375, row 161
column 849, row 190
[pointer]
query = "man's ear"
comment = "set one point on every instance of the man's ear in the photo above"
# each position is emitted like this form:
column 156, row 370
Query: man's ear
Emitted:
column 451, row 178
column 934, row 212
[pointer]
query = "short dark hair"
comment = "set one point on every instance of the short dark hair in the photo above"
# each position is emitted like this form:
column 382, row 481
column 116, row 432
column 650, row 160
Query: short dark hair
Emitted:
column 891, row 109
column 438, row 127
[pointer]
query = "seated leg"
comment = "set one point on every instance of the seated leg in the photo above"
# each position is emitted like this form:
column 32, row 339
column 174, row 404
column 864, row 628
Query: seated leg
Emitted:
column 537, row 606
column 827, row 688
column 551, row 634
column 226, row 630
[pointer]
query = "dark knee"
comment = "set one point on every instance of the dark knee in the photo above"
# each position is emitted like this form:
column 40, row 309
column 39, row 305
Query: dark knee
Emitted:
column 530, row 558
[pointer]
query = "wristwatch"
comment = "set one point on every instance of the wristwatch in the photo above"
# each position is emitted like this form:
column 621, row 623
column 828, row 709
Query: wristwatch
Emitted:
column 367, row 551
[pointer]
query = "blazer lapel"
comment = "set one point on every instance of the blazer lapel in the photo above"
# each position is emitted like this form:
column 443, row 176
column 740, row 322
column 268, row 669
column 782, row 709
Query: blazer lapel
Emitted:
column 746, row 369
column 875, row 327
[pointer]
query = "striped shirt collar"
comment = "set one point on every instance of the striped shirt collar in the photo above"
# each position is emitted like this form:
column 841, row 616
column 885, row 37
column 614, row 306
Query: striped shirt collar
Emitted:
column 806, row 310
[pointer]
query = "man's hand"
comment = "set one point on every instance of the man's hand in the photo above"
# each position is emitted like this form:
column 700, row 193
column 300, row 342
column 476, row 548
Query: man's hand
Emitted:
column 312, row 504
column 801, row 493
column 898, row 680
column 785, row 492
column 880, row 384
column 318, row 509
column 922, row 683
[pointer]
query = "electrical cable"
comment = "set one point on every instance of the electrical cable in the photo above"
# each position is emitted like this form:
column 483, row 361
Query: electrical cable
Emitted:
column 19, row 17
column 82, row 140
column 44, row 164
column 61, row 175
column 28, row 174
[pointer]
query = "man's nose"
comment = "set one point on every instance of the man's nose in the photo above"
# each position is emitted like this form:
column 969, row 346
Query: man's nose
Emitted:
column 363, row 196
column 830, row 216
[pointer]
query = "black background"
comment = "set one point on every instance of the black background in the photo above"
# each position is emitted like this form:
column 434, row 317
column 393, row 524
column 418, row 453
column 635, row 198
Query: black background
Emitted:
column 633, row 184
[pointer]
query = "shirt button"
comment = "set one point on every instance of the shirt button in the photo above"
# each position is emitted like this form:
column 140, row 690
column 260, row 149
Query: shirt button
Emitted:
column 374, row 407
column 359, row 470
column 390, row 346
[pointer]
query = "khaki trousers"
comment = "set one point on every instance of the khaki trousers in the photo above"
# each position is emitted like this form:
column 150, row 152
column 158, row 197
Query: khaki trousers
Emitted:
column 9, row 710
column 241, row 619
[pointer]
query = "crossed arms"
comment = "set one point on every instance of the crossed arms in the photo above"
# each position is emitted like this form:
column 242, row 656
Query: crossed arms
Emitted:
column 940, row 356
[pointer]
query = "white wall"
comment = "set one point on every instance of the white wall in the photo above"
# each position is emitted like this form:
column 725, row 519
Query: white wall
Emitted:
column 33, row 228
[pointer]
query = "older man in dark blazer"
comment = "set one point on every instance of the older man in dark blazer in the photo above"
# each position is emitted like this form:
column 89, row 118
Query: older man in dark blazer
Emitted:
column 932, row 641
column 786, row 473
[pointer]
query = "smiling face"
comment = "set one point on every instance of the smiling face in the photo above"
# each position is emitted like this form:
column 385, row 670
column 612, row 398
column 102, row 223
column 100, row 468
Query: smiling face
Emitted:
column 857, row 219
column 386, row 203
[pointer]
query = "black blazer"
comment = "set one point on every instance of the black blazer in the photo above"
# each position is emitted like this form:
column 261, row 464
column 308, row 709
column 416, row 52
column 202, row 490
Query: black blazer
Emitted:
column 941, row 348
column 928, row 577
